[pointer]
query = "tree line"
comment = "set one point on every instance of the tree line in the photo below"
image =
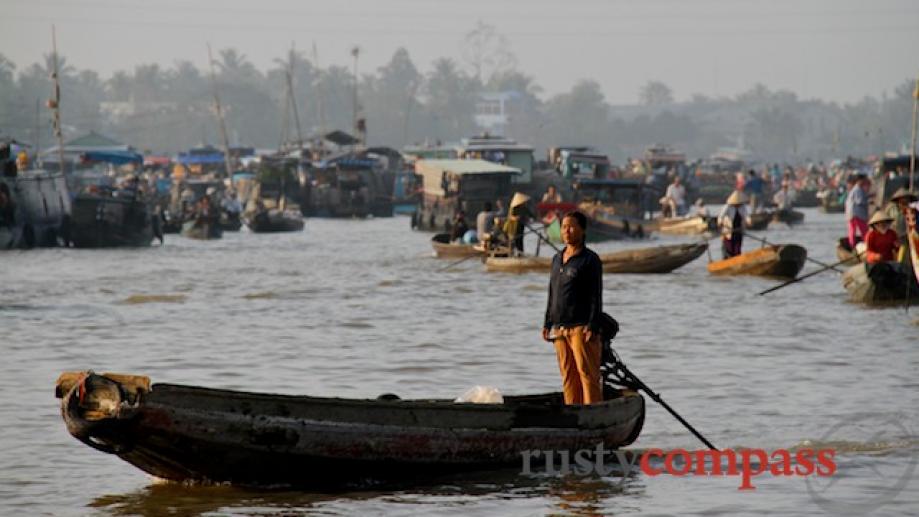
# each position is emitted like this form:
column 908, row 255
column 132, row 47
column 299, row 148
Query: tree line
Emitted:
column 170, row 109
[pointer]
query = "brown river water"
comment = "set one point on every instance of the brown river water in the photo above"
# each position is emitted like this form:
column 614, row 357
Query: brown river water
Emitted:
column 359, row 308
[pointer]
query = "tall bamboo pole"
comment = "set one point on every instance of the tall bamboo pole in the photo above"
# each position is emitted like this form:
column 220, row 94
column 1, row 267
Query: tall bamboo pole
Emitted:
column 912, row 156
column 56, row 104
column 223, row 128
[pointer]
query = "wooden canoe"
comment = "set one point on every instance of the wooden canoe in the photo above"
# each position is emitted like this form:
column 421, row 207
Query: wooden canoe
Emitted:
column 443, row 248
column 685, row 225
column 784, row 261
column 659, row 259
column 192, row 434
column 885, row 283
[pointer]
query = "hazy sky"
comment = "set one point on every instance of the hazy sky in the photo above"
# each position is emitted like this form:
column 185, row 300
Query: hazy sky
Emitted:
column 837, row 50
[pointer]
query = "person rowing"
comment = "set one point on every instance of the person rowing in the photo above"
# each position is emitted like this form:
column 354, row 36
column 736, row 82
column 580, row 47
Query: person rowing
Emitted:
column 732, row 221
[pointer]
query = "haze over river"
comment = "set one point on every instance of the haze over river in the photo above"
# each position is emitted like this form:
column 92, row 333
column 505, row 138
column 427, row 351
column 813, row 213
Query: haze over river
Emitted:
column 359, row 308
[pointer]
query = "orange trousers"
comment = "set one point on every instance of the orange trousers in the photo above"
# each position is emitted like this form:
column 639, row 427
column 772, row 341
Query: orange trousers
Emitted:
column 579, row 363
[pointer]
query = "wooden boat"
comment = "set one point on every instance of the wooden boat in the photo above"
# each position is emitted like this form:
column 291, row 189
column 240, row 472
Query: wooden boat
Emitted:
column 885, row 283
column 784, row 260
column 659, row 259
column 443, row 248
column 275, row 221
column 788, row 217
column 201, row 229
column 685, row 225
column 188, row 433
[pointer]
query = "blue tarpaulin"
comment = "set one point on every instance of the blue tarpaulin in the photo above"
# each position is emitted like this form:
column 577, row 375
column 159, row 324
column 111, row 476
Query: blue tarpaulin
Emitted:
column 113, row 157
column 199, row 159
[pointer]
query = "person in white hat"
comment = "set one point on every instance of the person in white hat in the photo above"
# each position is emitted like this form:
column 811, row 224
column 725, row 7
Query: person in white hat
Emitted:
column 732, row 221
column 882, row 241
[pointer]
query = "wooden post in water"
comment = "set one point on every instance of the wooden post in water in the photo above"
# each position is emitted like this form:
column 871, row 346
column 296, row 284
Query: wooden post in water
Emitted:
column 223, row 128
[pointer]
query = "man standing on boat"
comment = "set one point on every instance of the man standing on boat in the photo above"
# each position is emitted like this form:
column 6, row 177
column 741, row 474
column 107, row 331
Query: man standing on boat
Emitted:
column 732, row 221
column 573, row 313
column 857, row 209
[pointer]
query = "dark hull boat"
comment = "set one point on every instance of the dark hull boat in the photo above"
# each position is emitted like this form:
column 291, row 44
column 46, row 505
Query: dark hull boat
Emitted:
column 106, row 222
column 230, row 222
column 885, row 283
column 273, row 221
column 783, row 261
column 788, row 217
column 186, row 433
column 760, row 220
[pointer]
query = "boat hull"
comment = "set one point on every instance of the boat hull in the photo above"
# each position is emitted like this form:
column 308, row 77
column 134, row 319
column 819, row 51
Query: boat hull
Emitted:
column 107, row 222
column 274, row 221
column 686, row 226
column 886, row 283
column 783, row 261
column 443, row 248
column 202, row 230
column 185, row 433
column 659, row 259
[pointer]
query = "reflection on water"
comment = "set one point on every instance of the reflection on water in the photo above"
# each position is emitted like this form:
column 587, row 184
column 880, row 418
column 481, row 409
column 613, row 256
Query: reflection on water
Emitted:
column 571, row 495
column 360, row 308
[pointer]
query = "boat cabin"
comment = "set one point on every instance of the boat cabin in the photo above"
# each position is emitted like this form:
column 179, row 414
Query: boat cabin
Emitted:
column 347, row 185
column 452, row 185
column 497, row 149
column 626, row 198
column 892, row 174
column 583, row 164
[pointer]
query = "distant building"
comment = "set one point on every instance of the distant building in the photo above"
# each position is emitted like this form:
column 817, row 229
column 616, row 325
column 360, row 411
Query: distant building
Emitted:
column 492, row 111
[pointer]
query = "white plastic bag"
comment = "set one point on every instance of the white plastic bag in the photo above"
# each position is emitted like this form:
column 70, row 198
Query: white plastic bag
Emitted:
column 482, row 395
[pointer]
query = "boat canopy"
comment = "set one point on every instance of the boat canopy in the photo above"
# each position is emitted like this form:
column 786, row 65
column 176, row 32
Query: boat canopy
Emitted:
column 200, row 159
column 113, row 157
column 464, row 167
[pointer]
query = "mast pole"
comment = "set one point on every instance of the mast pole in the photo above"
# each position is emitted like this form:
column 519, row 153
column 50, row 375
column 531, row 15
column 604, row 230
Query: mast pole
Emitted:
column 223, row 128
column 56, row 103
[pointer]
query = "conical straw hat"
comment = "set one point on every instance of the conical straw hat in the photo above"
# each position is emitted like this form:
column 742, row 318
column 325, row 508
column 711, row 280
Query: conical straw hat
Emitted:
column 519, row 199
column 737, row 198
column 902, row 192
column 879, row 217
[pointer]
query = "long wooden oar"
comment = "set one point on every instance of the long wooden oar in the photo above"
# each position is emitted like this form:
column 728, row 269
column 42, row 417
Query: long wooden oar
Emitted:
column 458, row 262
column 624, row 377
column 796, row 280
column 815, row 261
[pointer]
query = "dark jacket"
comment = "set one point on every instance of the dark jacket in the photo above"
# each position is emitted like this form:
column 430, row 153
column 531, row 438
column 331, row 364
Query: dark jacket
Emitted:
column 575, row 291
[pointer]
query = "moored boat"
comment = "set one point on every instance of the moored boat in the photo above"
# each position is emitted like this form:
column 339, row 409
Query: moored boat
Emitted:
column 188, row 433
column 659, row 259
column 784, row 260
column 884, row 283
column 443, row 248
